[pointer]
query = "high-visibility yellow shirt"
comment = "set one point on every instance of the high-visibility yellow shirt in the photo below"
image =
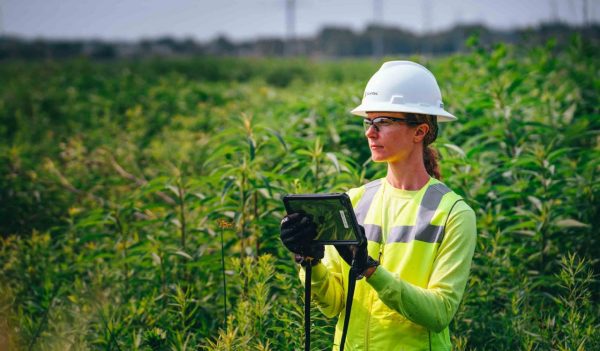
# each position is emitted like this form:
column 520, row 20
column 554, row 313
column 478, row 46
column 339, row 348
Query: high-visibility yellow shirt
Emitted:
column 424, row 241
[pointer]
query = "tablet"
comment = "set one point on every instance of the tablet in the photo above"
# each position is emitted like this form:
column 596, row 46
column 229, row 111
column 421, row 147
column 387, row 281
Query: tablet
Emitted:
column 332, row 213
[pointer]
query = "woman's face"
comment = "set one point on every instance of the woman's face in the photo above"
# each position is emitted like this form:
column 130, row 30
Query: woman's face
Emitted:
column 394, row 142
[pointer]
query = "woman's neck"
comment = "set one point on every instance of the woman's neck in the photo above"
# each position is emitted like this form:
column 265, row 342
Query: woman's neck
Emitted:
column 407, row 175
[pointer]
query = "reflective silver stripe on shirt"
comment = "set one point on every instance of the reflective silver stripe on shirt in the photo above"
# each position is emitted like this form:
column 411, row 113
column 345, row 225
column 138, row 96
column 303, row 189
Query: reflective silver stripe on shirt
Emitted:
column 372, row 231
column 423, row 230
column 365, row 201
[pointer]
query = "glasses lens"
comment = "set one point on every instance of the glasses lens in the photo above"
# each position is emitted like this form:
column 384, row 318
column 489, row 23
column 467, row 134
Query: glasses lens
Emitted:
column 381, row 122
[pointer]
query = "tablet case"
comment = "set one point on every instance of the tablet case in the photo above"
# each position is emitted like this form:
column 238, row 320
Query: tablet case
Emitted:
column 332, row 213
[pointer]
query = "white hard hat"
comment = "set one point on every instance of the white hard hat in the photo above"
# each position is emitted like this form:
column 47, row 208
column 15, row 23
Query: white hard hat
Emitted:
column 403, row 86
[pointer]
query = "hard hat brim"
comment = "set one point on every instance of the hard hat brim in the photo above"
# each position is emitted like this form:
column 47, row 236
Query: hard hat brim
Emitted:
column 442, row 115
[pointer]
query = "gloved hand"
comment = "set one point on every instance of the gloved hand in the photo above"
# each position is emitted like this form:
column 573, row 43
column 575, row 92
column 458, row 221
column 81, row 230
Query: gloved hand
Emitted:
column 358, row 253
column 297, row 234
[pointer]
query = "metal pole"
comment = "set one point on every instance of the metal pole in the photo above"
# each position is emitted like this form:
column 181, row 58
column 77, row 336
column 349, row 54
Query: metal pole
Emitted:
column 1, row 20
column 427, row 8
column 290, row 25
column 553, row 11
column 377, row 22
column 585, row 13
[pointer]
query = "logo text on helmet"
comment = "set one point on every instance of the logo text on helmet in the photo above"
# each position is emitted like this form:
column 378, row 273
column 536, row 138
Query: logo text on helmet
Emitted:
column 371, row 93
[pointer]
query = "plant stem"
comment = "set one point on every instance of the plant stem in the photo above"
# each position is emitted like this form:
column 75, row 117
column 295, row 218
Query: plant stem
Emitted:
column 243, row 211
column 256, row 236
column 124, row 240
column 44, row 319
column 224, row 282
column 316, row 173
column 181, row 194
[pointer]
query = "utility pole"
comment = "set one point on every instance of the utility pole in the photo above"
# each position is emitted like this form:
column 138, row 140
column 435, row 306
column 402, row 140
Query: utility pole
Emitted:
column 1, row 20
column 427, row 6
column 377, row 36
column 426, row 12
column 290, row 25
column 553, row 11
column 585, row 13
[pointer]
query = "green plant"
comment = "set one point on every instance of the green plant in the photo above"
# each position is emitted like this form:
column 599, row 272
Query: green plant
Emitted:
column 114, row 178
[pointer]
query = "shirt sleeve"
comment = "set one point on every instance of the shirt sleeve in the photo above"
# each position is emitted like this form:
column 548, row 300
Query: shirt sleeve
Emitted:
column 434, row 307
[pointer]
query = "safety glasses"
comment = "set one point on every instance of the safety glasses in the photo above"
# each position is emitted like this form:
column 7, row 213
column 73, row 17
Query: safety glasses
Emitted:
column 384, row 122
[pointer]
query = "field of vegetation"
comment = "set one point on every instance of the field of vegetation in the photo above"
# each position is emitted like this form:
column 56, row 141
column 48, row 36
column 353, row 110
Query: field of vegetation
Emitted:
column 132, row 193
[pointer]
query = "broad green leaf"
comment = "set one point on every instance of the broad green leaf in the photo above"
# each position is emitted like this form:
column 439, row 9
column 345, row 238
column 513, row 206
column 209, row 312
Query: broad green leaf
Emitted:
column 252, row 148
column 156, row 259
column 334, row 160
column 536, row 202
column 570, row 223
column 183, row 254
column 456, row 149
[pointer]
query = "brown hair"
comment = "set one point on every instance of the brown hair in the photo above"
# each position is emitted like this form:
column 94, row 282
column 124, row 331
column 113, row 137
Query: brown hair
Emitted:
column 430, row 155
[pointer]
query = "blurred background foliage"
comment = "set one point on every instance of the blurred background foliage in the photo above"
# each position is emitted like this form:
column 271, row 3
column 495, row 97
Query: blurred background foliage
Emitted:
column 331, row 41
column 123, row 183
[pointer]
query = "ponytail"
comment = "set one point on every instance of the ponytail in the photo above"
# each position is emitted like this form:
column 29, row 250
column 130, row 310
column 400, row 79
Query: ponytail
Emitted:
column 430, row 159
column 430, row 155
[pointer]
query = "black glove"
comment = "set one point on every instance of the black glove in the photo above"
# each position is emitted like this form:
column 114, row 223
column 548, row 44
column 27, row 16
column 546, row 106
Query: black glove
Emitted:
column 297, row 234
column 358, row 253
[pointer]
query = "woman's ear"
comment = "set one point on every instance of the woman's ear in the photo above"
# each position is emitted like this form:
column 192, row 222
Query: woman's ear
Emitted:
column 420, row 132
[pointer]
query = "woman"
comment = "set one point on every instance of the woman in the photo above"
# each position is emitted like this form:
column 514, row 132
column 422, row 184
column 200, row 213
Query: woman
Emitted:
column 421, row 235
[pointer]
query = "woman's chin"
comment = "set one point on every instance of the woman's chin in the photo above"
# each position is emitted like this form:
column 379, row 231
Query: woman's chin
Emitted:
column 377, row 158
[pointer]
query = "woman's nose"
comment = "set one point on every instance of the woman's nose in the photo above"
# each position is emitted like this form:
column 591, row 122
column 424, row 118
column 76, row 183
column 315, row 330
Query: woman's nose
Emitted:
column 371, row 132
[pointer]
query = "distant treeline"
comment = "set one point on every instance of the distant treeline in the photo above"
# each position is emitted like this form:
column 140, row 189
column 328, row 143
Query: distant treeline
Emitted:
column 329, row 42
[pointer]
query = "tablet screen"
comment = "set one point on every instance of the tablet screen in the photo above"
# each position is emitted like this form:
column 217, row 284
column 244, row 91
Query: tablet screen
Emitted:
column 332, row 213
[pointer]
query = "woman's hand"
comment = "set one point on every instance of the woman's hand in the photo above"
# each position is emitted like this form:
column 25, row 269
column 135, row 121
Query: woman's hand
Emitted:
column 364, row 264
column 297, row 234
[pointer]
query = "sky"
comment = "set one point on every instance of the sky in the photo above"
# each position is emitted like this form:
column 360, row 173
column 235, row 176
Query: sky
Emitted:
column 249, row 19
